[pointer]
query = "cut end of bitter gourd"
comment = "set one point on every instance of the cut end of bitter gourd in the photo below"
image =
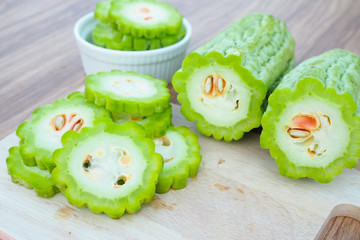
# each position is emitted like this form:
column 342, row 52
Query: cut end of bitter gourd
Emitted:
column 102, row 11
column 311, row 132
column 145, row 18
column 181, row 153
column 220, row 94
column 154, row 125
column 109, row 168
column 30, row 177
column 42, row 135
column 128, row 92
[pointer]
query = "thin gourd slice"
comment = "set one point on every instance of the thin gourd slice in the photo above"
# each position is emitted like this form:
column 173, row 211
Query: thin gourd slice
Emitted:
column 42, row 134
column 109, row 168
column 181, row 153
column 30, row 177
column 154, row 125
column 145, row 18
column 102, row 11
column 223, row 84
column 128, row 92
column 312, row 124
column 105, row 36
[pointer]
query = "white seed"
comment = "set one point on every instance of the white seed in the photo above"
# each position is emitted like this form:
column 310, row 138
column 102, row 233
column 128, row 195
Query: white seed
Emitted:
column 220, row 84
column 208, row 85
column 298, row 133
column 59, row 122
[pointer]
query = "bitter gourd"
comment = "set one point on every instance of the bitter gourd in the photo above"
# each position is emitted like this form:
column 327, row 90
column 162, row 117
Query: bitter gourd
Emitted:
column 223, row 84
column 30, row 177
column 42, row 134
column 145, row 18
column 128, row 92
column 312, row 123
column 154, row 125
column 109, row 168
column 181, row 153
column 105, row 36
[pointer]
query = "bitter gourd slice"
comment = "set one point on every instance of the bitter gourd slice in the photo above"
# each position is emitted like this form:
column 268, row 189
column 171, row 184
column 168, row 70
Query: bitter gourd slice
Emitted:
column 102, row 11
column 109, row 168
column 30, row 177
column 128, row 92
column 181, row 153
column 312, row 123
column 105, row 36
column 154, row 125
column 145, row 18
column 223, row 84
column 42, row 134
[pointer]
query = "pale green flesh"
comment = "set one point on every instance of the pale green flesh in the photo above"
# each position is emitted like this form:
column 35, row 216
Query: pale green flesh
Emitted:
column 219, row 110
column 106, row 166
column 127, row 85
column 45, row 135
column 177, row 149
column 156, row 14
column 331, row 139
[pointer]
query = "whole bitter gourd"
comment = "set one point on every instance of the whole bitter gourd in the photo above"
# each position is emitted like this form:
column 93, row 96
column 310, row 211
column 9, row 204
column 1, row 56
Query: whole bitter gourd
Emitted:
column 312, row 123
column 223, row 84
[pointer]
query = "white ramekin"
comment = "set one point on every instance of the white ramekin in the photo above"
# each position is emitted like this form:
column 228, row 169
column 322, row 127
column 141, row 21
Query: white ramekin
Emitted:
column 161, row 63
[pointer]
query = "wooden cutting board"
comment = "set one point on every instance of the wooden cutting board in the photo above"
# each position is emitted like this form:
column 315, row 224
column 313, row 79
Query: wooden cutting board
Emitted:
column 238, row 194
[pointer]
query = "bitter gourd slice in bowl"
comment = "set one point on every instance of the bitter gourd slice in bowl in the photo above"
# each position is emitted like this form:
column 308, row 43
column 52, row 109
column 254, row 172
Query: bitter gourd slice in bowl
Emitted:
column 105, row 36
column 109, row 168
column 223, row 84
column 181, row 153
column 312, row 123
column 145, row 18
column 42, row 134
column 31, row 177
column 154, row 125
column 128, row 92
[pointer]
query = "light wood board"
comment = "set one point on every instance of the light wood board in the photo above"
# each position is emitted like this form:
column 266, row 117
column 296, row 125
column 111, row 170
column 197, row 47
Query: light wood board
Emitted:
column 238, row 194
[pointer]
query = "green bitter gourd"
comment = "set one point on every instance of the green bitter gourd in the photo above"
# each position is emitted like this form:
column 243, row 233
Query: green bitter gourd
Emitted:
column 223, row 84
column 312, row 123
column 109, row 168
column 31, row 177
column 181, row 153
column 42, row 134
column 128, row 92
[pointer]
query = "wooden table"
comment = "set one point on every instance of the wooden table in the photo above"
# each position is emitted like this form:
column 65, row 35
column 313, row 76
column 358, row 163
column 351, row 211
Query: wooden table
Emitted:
column 39, row 61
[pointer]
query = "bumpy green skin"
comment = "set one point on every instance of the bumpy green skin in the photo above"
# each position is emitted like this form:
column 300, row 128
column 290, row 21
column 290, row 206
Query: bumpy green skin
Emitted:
column 258, row 48
column 30, row 177
column 333, row 76
column 170, row 26
column 176, row 177
column 114, row 207
column 113, row 102
column 105, row 36
column 34, row 155
column 154, row 125
column 102, row 11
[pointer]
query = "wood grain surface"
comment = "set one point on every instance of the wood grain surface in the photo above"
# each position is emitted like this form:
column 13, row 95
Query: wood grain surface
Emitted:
column 39, row 61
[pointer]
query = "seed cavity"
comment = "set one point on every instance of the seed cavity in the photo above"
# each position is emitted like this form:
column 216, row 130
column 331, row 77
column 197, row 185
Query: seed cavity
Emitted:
column 59, row 122
column 299, row 133
column 72, row 115
column 137, row 118
column 148, row 18
column 220, row 86
column 78, row 125
column 125, row 158
column 144, row 10
column 120, row 181
column 237, row 105
column 87, row 162
column 208, row 86
column 308, row 121
column 165, row 141
column 326, row 116
column 169, row 159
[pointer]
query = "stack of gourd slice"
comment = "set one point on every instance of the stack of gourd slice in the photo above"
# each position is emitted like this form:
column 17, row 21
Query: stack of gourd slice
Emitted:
column 137, row 25
column 75, row 147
